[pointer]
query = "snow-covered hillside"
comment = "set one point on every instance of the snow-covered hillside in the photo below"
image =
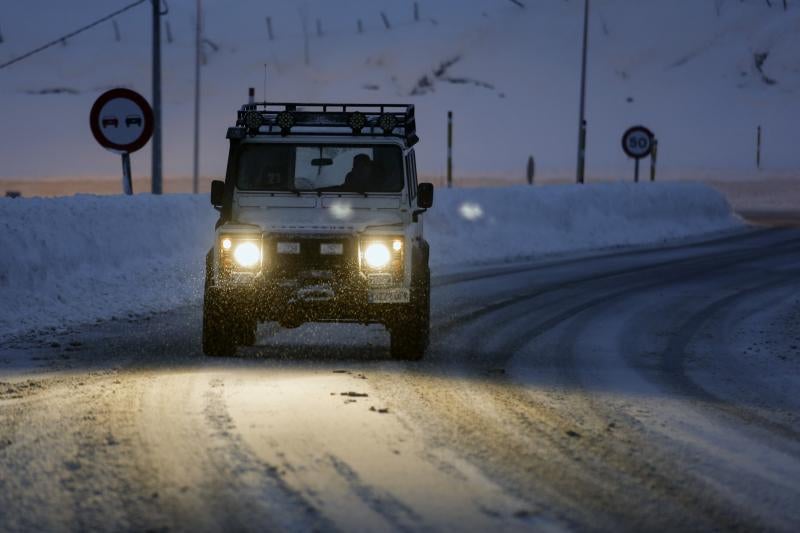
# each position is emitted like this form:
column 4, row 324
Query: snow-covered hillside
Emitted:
column 703, row 74
column 81, row 258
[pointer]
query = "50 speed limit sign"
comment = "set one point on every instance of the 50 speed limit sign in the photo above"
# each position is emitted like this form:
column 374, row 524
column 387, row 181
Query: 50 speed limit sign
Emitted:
column 637, row 142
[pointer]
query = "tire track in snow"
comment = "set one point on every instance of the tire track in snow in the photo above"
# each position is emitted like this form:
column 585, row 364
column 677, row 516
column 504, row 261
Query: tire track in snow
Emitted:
column 394, row 511
column 259, row 499
column 644, row 470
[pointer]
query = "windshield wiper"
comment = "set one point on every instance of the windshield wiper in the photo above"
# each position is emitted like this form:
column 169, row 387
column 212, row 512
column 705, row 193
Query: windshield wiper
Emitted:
column 337, row 188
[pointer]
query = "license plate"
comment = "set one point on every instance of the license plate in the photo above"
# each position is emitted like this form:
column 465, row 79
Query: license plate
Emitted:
column 331, row 248
column 288, row 247
column 389, row 296
column 376, row 280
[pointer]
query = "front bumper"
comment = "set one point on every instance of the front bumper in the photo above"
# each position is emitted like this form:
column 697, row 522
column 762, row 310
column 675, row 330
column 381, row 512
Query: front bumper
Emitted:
column 317, row 297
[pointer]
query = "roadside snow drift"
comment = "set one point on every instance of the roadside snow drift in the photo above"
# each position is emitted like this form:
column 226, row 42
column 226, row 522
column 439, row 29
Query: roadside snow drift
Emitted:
column 499, row 224
column 84, row 258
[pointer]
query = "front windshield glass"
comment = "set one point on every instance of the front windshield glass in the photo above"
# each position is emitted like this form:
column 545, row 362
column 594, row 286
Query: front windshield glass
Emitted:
column 334, row 168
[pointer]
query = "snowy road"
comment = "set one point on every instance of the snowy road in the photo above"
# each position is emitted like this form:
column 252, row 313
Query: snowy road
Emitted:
column 637, row 390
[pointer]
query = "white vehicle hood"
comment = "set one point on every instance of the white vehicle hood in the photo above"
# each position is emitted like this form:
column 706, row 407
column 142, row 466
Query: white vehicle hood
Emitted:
column 318, row 214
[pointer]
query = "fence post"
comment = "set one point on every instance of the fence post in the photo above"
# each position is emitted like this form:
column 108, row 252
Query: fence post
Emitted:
column 449, row 149
column 416, row 11
column 531, row 170
column 360, row 26
column 117, row 36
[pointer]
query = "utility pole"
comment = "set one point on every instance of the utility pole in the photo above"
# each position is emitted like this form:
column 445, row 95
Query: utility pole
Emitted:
column 198, row 50
column 582, row 119
column 156, row 185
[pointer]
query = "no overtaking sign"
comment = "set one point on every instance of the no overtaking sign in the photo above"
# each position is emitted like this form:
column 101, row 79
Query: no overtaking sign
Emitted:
column 121, row 120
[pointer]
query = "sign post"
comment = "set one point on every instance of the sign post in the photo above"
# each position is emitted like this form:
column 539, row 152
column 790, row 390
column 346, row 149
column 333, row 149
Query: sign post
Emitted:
column 637, row 143
column 121, row 121
column 653, row 160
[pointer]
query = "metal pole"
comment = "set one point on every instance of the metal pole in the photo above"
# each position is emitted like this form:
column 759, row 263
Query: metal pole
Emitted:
column 449, row 149
column 758, row 148
column 653, row 160
column 127, row 183
column 531, row 170
column 582, row 118
column 156, row 184
column 198, row 51
column 636, row 172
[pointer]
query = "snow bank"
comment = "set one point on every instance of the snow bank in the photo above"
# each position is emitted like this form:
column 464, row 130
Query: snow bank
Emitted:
column 499, row 224
column 82, row 258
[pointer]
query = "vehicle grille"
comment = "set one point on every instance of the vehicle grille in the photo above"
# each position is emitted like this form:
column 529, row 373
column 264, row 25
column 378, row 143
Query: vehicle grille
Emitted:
column 309, row 256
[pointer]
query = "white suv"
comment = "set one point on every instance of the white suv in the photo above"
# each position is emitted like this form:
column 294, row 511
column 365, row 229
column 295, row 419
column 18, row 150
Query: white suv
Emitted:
column 319, row 221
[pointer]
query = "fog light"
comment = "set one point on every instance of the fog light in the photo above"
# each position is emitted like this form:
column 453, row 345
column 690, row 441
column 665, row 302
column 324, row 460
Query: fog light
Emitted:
column 226, row 244
column 247, row 254
column 397, row 245
column 377, row 255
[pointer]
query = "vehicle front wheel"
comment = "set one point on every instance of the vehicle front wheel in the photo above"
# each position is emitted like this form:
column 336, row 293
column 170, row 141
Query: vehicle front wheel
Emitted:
column 219, row 331
column 410, row 333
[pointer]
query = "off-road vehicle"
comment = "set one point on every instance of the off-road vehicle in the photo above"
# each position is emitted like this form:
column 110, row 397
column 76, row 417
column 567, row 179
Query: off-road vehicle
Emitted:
column 320, row 221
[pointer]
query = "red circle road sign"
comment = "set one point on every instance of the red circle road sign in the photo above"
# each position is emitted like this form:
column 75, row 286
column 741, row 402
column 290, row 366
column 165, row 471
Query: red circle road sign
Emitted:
column 121, row 120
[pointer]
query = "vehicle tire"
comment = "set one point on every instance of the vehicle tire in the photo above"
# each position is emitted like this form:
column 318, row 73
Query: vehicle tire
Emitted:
column 219, row 326
column 247, row 332
column 410, row 333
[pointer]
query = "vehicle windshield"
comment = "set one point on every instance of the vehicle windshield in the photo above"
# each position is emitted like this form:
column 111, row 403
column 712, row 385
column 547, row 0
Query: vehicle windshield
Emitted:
column 334, row 168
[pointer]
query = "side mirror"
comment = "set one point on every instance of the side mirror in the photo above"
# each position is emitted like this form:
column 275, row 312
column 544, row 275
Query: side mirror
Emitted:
column 217, row 193
column 424, row 195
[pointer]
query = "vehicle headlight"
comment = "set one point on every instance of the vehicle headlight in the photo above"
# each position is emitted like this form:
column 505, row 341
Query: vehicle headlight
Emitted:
column 247, row 254
column 240, row 253
column 377, row 255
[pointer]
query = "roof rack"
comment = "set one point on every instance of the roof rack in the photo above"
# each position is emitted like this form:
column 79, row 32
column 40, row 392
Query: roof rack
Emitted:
column 271, row 118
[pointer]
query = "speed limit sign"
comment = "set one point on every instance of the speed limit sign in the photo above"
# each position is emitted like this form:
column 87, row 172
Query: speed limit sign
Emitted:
column 637, row 142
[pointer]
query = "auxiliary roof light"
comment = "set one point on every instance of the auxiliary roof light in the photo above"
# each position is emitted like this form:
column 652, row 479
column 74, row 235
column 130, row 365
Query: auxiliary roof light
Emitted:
column 357, row 121
column 387, row 123
column 285, row 121
column 252, row 119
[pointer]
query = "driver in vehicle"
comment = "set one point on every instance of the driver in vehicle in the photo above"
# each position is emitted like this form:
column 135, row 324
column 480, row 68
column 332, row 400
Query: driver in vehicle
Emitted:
column 358, row 179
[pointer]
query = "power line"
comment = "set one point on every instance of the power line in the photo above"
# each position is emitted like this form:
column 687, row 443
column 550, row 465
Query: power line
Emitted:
column 70, row 35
